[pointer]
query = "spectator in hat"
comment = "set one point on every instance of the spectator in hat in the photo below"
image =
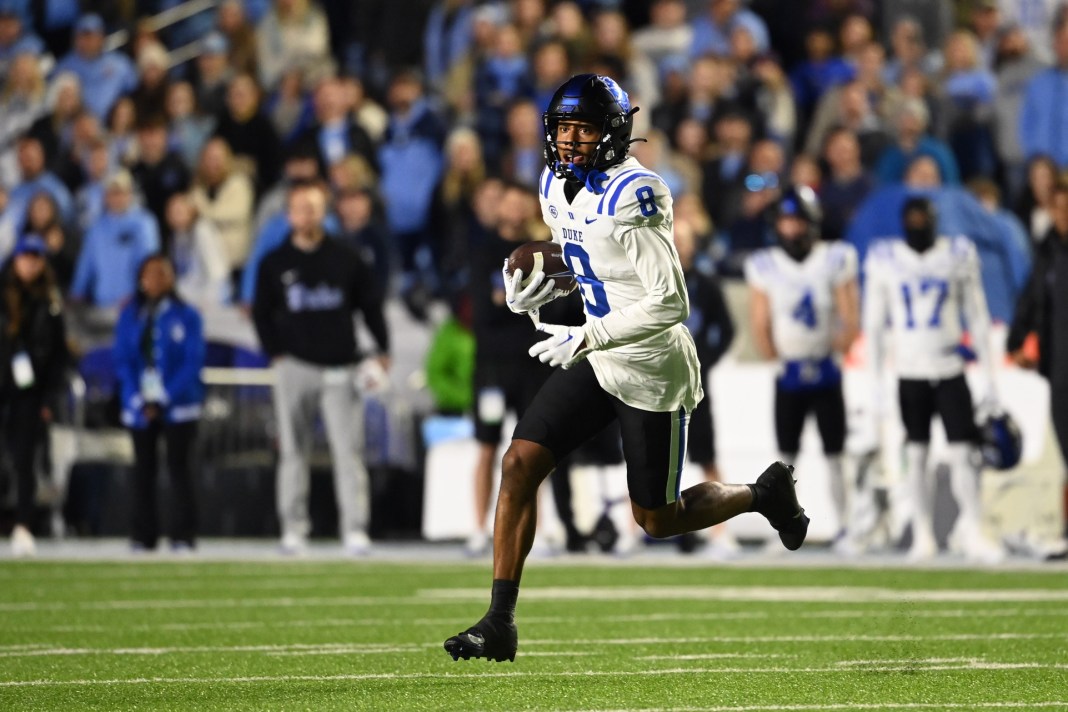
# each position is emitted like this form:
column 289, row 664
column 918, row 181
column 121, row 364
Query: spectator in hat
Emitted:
column 110, row 74
column 292, row 33
column 114, row 246
column 14, row 38
column 33, row 356
column 212, row 74
column 150, row 96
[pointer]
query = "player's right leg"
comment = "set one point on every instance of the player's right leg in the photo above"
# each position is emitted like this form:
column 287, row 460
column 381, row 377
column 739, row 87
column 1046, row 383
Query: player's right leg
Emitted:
column 916, row 399
column 569, row 409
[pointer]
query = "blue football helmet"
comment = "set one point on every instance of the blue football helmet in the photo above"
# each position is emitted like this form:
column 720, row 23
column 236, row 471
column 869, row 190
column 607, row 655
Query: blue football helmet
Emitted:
column 1000, row 441
column 601, row 102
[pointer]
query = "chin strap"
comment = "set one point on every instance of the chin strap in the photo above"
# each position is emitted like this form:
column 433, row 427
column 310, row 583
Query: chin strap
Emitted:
column 593, row 179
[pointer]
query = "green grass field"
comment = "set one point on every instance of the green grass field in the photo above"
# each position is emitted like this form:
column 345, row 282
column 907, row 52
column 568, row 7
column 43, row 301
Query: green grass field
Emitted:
column 317, row 635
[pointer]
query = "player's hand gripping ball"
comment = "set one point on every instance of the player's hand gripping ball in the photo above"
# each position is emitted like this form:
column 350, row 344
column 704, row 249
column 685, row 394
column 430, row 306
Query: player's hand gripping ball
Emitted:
column 535, row 274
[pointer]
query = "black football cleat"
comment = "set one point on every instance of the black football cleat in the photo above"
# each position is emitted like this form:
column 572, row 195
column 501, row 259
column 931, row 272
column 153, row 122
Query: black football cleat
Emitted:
column 489, row 638
column 781, row 506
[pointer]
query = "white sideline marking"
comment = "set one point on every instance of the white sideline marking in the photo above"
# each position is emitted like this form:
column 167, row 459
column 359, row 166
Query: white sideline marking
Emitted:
column 841, row 594
column 654, row 640
column 591, row 594
column 711, row 656
column 635, row 618
column 524, row 673
column 372, row 648
column 858, row 706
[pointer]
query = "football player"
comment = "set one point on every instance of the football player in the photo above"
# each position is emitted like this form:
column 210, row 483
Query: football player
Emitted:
column 923, row 287
column 805, row 312
column 633, row 360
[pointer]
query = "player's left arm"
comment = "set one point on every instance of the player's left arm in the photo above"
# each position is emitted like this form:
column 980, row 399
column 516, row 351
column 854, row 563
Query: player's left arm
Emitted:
column 846, row 297
column 976, row 313
column 644, row 230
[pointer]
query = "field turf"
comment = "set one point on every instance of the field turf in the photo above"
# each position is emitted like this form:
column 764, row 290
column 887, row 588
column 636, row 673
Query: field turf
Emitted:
column 321, row 634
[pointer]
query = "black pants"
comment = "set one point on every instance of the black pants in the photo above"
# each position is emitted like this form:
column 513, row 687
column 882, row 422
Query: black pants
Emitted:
column 791, row 409
column 950, row 398
column 20, row 421
column 144, row 520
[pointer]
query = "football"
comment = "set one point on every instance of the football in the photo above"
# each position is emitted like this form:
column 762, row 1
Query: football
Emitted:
column 547, row 257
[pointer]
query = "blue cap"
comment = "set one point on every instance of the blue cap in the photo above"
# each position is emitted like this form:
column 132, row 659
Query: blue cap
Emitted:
column 31, row 244
column 89, row 23
column 215, row 43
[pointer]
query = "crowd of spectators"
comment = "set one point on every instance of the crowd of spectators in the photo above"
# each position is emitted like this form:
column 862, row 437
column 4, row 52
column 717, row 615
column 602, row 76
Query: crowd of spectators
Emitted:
column 120, row 139
column 112, row 154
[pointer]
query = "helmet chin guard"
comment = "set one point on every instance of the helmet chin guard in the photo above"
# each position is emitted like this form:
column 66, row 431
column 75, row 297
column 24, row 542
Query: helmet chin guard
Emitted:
column 596, row 100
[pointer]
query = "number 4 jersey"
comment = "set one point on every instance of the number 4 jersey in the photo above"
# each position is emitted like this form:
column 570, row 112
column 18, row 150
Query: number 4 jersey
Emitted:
column 926, row 296
column 801, row 296
column 618, row 243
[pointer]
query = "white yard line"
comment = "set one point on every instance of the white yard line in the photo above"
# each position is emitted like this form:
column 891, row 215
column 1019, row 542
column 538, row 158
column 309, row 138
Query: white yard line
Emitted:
column 635, row 618
column 526, row 674
column 859, row 706
column 839, row 594
column 588, row 594
column 372, row 648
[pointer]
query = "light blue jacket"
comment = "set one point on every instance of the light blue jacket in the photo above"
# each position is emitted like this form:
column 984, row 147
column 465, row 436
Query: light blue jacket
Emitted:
column 112, row 251
column 1043, row 124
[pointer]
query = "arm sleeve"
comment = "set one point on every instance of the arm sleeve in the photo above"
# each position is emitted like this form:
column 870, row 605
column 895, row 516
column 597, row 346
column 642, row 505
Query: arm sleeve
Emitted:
column 188, row 372
column 264, row 308
column 652, row 253
column 367, row 302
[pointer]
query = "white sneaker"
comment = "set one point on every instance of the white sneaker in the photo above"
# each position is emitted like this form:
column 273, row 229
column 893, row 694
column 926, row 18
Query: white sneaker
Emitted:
column 980, row 550
column 293, row 545
column 723, row 547
column 478, row 544
column 924, row 548
column 22, row 543
column 357, row 543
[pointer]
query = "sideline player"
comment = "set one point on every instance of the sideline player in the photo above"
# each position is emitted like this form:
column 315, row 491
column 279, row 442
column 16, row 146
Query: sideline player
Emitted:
column 633, row 360
column 925, row 285
column 805, row 312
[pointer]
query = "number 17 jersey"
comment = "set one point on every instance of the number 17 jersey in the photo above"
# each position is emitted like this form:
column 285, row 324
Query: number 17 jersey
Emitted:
column 618, row 243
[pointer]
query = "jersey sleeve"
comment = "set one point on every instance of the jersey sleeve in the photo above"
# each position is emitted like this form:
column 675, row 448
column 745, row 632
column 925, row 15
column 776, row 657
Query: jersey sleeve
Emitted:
column 637, row 199
column 843, row 257
column 757, row 269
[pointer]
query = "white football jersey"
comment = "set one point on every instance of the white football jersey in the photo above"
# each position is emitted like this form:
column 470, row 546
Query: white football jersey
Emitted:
column 801, row 295
column 619, row 246
column 926, row 297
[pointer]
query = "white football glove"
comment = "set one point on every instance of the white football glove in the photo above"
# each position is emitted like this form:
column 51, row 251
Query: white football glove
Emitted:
column 524, row 299
column 562, row 348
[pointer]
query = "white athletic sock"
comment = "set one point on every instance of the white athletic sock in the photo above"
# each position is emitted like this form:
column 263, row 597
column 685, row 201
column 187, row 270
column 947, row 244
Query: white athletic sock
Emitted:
column 838, row 489
column 921, row 490
column 964, row 481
